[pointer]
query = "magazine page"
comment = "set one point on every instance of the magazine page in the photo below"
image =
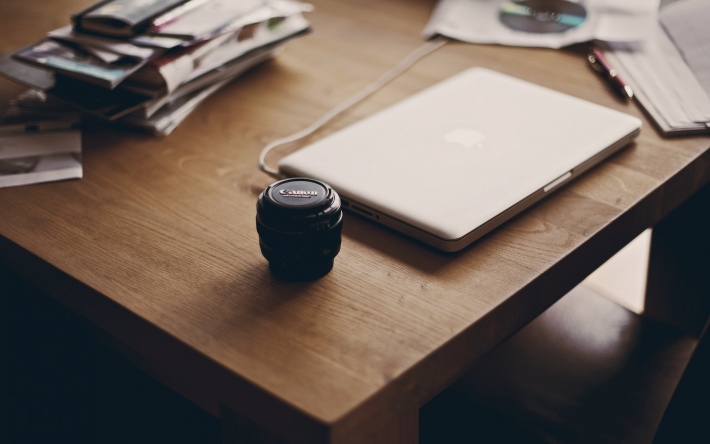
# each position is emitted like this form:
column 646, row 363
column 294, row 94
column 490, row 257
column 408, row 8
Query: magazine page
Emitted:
column 32, row 157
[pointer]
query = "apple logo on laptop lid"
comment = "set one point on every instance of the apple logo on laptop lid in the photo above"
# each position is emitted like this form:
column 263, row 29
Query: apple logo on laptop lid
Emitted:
column 466, row 137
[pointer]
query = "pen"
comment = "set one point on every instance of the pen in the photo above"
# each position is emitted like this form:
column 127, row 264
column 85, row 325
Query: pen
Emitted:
column 601, row 65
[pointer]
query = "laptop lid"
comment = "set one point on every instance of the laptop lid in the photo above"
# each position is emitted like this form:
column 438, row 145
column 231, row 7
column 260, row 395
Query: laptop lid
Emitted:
column 454, row 161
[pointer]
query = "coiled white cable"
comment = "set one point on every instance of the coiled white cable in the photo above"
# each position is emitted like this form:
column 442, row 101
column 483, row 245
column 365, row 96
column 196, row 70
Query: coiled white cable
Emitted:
column 406, row 63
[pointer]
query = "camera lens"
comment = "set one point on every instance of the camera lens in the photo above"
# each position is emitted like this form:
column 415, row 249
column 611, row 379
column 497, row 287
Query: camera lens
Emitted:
column 299, row 222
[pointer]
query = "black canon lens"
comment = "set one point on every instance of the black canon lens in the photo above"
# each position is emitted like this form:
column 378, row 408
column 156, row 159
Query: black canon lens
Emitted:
column 299, row 222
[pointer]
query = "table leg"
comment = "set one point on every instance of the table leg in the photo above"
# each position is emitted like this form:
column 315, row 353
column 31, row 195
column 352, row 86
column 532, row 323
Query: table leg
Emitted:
column 404, row 429
column 678, row 285
column 239, row 430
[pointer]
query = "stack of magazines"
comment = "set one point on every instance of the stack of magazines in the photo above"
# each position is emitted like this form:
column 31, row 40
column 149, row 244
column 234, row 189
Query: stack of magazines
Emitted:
column 149, row 63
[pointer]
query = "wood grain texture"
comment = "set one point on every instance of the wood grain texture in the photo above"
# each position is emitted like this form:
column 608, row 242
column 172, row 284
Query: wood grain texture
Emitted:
column 157, row 243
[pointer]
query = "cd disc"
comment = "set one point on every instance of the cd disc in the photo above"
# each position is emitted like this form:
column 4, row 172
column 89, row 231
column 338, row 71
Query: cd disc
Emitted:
column 542, row 16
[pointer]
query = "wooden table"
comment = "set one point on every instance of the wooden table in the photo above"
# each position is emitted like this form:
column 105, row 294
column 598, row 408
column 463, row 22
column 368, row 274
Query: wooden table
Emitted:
column 157, row 244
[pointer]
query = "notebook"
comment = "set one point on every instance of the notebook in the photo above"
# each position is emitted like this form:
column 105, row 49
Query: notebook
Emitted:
column 454, row 161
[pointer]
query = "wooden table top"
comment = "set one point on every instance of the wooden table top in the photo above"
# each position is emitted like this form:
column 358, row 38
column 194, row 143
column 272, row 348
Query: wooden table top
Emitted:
column 157, row 243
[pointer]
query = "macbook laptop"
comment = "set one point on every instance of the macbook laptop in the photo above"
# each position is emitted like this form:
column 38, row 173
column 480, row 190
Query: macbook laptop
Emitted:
column 454, row 161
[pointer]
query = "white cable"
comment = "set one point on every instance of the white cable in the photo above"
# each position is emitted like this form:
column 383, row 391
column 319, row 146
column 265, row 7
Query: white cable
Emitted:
column 412, row 58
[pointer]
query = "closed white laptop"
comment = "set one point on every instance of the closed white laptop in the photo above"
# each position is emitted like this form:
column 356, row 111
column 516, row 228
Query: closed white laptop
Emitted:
column 452, row 162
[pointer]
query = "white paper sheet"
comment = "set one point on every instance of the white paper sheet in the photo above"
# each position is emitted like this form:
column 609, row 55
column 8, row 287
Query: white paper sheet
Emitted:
column 669, row 73
column 686, row 23
column 480, row 21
